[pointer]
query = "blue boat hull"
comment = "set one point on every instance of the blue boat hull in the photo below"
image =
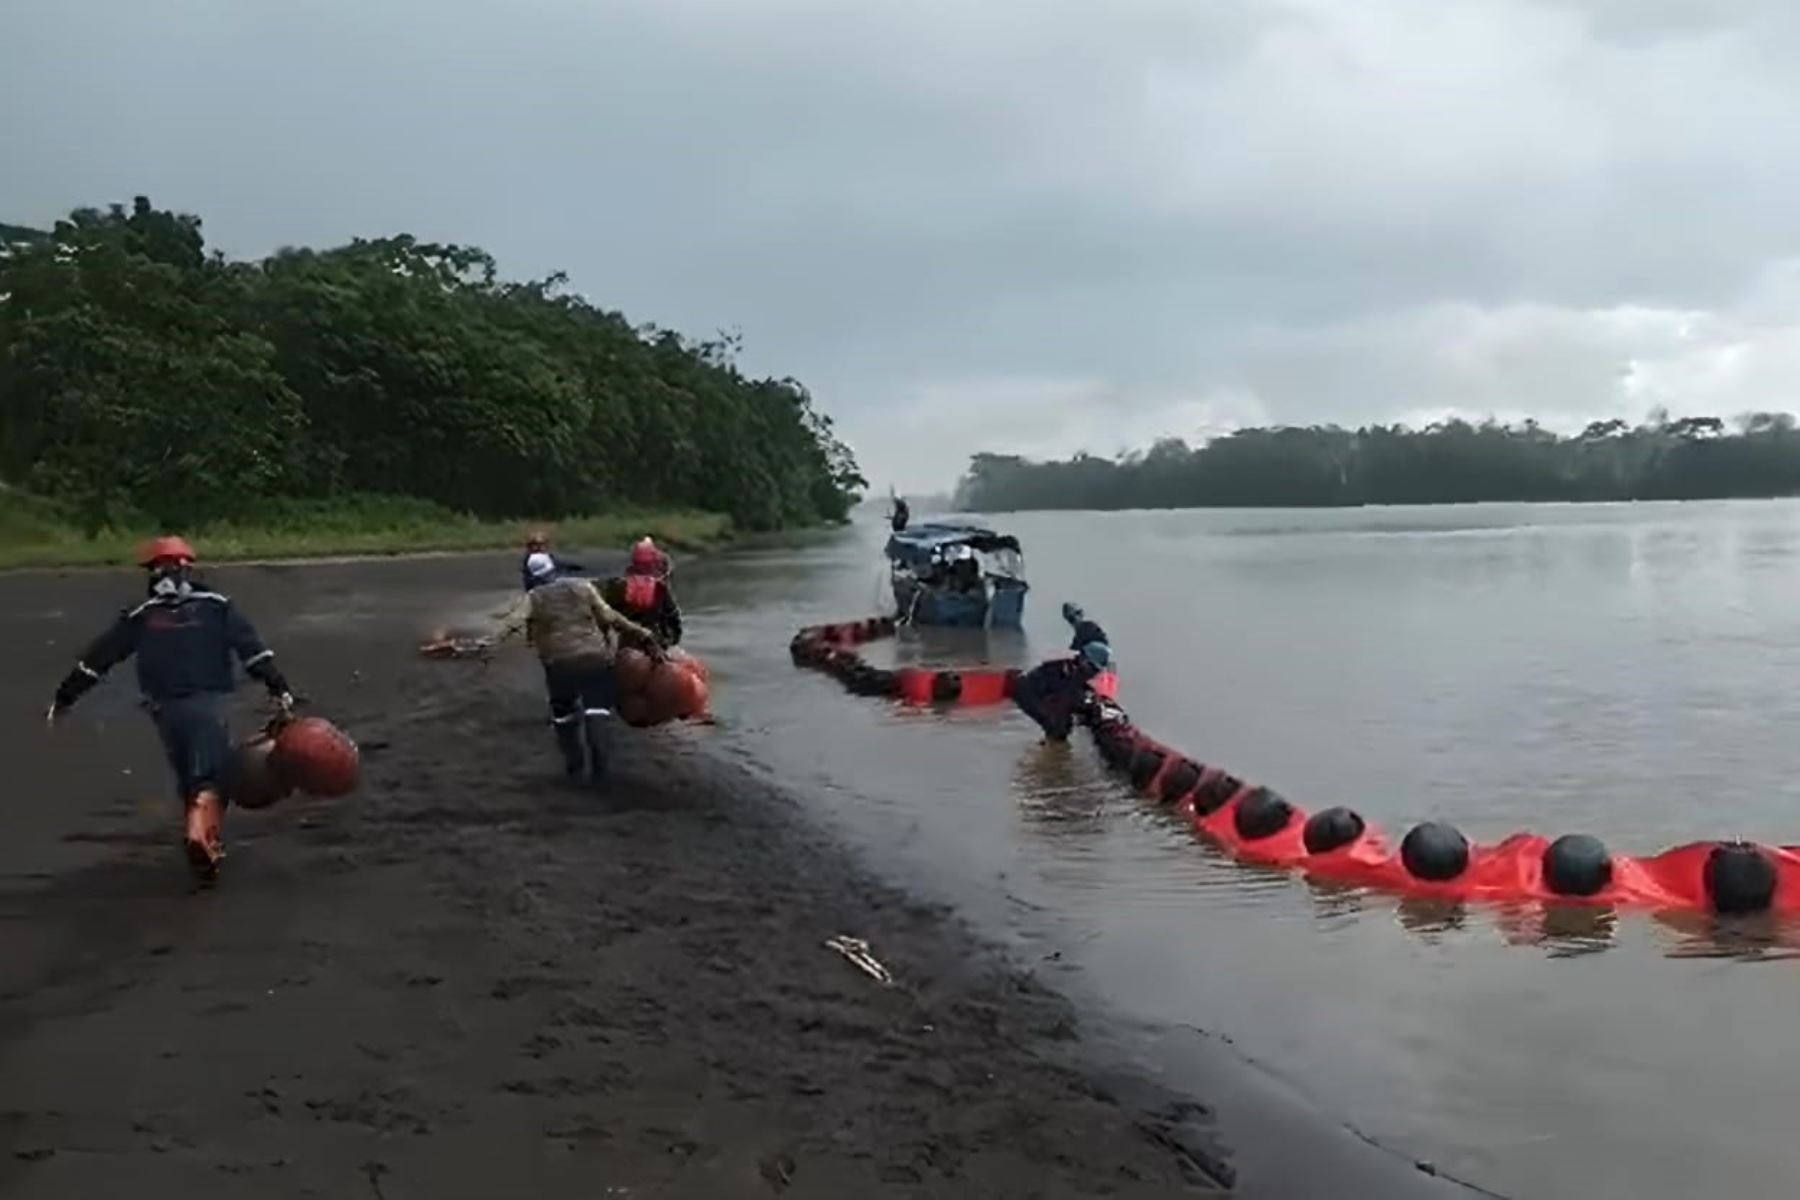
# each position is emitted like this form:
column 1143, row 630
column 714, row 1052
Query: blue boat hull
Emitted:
column 961, row 610
column 1007, row 609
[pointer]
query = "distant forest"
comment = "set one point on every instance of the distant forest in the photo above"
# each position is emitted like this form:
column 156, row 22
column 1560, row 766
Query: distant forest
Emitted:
column 1452, row 462
column 145, row 378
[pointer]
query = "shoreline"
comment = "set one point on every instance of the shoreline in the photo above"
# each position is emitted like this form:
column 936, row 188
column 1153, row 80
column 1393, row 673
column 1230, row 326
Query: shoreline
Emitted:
column 471, row 979
column 1396, row 505
column 31, row 540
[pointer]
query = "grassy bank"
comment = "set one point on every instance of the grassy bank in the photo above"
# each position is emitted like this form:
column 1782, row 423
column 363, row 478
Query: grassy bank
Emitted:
column 35, row 533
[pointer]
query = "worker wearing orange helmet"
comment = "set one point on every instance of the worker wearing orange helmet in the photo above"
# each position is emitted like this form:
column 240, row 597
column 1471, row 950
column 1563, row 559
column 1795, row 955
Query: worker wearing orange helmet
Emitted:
column 539, row 543
column 184, row 636
column 644, row 595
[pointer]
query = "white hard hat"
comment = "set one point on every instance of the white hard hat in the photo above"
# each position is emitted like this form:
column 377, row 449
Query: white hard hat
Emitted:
column 539, row 565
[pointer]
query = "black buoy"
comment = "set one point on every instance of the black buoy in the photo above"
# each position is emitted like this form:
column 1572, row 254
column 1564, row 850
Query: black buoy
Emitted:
column 1261, row 814
column 886, row 683
column 1146, row 761
column 1178, row 781
column 1212, row 794
column 1011, row 687
column 1740, row 879
column 1434, row 852
column 946, row 686
column 1332, row 829
column 1576, row 864
column 1116, row 745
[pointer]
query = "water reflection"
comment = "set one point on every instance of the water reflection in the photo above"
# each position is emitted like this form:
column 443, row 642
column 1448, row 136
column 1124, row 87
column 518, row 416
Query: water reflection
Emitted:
column 1560, row 930
column 1335, row 902
column 1761, row 938
column 1055, row 796
column 915, row 646
column 1430, row 918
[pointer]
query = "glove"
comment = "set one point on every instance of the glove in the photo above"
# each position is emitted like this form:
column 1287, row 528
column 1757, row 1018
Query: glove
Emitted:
column 270, row 676
column 54, row 711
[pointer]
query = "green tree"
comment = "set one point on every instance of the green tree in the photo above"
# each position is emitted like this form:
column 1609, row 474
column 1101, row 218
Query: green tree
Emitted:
column 140, row 376
column 1691, row 457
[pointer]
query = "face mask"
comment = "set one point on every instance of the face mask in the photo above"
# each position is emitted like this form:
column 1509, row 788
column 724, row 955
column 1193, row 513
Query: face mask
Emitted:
column 170, row 581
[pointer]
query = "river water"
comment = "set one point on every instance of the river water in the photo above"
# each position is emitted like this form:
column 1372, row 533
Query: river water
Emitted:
column 1630, row 671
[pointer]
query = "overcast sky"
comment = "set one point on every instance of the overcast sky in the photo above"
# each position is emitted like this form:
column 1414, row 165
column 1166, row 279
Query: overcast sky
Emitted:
column 1036, row 226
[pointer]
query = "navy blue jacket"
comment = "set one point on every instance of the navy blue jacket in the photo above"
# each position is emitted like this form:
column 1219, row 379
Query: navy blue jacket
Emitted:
column 1052, row 693
column 184, row 646
column 1087, row 631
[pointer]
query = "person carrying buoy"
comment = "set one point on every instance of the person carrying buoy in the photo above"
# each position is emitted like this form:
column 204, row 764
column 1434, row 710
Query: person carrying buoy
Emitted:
column 575, row 631
column 644, row 595
column 1085, row 630
column 1055, row 693
column 184, row 636
column 538, row 542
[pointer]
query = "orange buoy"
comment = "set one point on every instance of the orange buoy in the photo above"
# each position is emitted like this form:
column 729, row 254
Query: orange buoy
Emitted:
column 634, row 709
column 697, row 666
column 316, row 757
column 668, row 690
column 251, row 780
column 693, row 690
column 634, row 668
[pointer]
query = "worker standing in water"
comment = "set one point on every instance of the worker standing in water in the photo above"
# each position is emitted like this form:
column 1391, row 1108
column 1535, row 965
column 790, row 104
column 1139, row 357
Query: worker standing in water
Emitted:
column 901, row 516
column 185, row 636
column 539, row 543
column 643, row 594
column 575, row 633
column 1057, row 692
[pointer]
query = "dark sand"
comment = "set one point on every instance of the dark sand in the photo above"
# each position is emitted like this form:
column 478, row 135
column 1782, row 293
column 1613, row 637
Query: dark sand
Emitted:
column 473, row 980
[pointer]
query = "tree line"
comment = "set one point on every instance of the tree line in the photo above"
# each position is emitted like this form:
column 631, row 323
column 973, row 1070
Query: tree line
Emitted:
column 1449, row 462
column 142, row 377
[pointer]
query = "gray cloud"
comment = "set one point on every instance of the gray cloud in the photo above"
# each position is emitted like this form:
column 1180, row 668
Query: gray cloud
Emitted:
column 1041, row 225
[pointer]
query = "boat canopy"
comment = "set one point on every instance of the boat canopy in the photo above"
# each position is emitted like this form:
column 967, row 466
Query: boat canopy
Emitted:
column 921, row 544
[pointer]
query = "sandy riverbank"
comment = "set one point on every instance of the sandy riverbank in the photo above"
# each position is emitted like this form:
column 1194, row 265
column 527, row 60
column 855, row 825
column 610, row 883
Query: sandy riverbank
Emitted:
column 473, row 980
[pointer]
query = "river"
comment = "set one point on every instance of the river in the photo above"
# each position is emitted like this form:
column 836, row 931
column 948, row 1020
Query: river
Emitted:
column 1628, row 671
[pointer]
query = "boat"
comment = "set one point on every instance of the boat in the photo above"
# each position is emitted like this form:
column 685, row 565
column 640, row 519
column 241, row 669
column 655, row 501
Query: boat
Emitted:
column 958, row 575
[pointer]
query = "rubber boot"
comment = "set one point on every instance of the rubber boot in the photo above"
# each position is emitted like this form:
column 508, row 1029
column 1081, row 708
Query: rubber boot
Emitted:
column 204, row 846
column 568, row 740
column 599, row 746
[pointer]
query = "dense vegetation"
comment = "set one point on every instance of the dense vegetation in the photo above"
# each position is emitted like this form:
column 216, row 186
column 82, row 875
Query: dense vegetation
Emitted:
column 143, row 379
column 1452, row 462
column 19, row 233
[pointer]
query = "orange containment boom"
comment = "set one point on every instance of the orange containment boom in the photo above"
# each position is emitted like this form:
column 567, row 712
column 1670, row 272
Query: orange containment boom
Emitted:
column 1434, row 860
column 832, row 649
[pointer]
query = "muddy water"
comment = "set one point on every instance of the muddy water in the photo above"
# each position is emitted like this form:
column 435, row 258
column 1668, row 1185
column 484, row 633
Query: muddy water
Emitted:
column 1626, row 671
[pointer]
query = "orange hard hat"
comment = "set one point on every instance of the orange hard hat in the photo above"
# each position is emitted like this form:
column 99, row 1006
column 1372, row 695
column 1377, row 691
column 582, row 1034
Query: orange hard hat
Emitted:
column 165, row 549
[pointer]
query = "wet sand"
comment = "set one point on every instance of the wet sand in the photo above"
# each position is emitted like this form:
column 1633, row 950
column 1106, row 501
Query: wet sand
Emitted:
column 474, row 979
